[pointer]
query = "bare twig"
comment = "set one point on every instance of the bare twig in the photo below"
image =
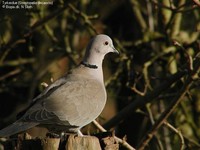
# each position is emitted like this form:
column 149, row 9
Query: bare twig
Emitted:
column 178, row 132
column 188, row 57
column 176, row 9
column 18, row 62
column 163, row 6
column 141, row 101
column 197, row 2
column 99, row 126
column 12, row 73
column 148, row 64
column 137, row 11
column 12, row 45
column 121, row 141
column 163, row 117
column 171, row 107
column 45, row 20
column 84, row 17
column 113, row 77
column 196, row 143
column 138, row 91
column 150, row 115
column 39, row 23
column 176, row 23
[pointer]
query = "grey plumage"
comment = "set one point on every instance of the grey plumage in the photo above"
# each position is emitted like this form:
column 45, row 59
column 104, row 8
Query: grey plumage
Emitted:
column 72, row 101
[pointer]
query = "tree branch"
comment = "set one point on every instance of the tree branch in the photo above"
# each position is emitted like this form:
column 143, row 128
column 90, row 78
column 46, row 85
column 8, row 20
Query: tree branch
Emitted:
column 141, row 101
column 171, row 107
column 121, row 141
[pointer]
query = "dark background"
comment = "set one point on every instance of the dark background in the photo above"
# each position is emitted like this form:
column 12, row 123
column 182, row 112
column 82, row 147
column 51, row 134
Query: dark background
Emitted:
column 156, row 39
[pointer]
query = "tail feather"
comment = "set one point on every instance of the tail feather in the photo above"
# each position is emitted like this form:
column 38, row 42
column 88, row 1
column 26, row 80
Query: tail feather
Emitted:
column 16, row 127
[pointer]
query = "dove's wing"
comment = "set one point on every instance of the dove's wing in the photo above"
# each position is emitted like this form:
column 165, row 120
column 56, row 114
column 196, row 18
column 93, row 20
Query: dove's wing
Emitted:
column 77, row 102
column 51, row 88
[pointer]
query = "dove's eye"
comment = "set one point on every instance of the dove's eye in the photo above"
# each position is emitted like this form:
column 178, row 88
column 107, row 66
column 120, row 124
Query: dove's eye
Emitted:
column 106, row 43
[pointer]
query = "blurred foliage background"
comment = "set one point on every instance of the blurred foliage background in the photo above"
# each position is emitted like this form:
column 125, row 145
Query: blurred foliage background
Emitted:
column 157, row 40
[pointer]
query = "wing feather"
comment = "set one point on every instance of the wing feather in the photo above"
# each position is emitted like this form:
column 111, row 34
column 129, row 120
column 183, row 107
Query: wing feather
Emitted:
column 67, row 105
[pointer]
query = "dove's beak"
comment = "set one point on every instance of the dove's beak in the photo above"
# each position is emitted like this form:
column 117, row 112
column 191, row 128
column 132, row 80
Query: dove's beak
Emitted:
column 115, row 51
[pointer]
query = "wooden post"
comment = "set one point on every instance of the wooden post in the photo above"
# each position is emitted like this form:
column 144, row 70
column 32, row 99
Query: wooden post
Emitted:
column 50, row 143
column 71, row 142
column 82, row 143
column 105, row 141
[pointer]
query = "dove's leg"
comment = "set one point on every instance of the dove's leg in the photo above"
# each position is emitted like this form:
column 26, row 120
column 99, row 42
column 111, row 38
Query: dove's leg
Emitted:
column 79, row 133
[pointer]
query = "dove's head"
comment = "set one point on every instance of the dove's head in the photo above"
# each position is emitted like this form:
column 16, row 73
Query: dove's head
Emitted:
column 98, row 47
column 101, row 44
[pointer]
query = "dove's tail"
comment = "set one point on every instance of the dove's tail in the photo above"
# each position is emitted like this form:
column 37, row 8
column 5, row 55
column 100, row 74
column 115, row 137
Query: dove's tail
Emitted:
column 16, row 127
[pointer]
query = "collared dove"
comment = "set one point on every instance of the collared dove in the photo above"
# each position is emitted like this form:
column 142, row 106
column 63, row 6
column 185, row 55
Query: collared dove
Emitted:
column 72, row 101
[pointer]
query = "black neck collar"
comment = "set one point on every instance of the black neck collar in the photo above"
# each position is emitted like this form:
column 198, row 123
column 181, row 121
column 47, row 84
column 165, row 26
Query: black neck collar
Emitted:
column 89, row 65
